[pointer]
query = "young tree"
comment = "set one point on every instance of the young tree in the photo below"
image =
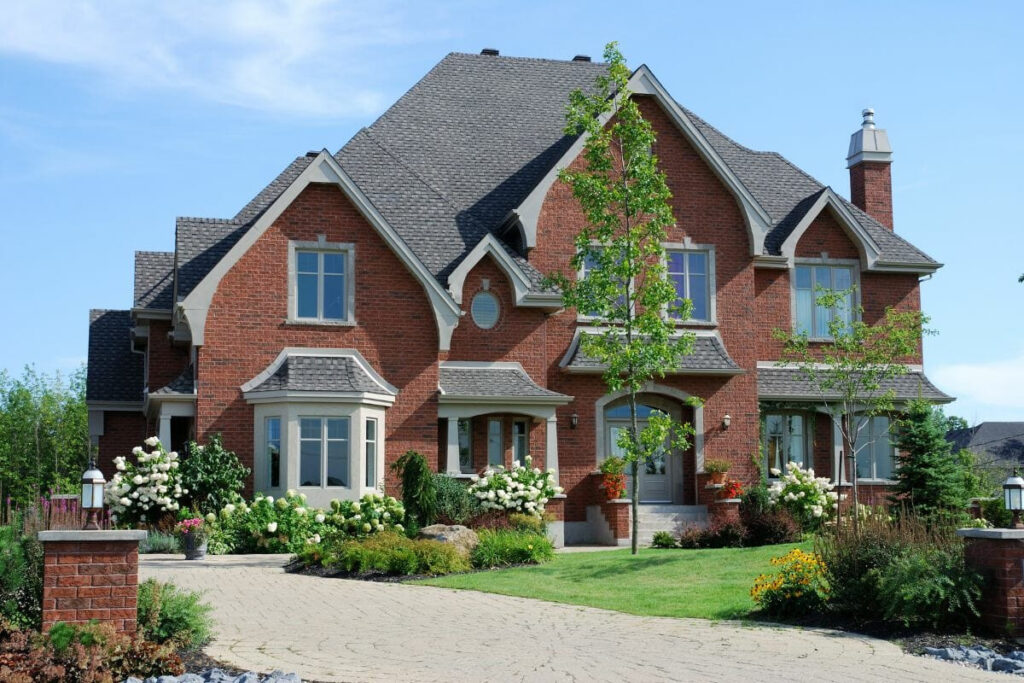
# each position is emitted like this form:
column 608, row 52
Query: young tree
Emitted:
column 850, row 370
column 931, row 478
column 625, row 288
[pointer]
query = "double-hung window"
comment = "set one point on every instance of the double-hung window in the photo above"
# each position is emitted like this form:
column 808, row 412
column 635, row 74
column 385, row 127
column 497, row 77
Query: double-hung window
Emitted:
column 591, row 263
column 690, row 273
column 324, row 451
column 785, row 441
column 875, row 452
column 320, row 290
column 371, row 452
column 273, row 441
column 812, row 319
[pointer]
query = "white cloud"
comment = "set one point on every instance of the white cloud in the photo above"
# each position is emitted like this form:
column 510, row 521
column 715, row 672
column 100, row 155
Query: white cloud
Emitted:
column 995, row 389
column 305, row 57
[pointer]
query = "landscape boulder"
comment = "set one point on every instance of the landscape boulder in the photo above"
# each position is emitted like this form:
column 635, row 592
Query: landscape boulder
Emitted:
column 463, row 538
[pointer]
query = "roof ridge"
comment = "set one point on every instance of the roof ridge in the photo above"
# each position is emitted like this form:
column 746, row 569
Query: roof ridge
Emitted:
column 204, row 219
column 524, row 59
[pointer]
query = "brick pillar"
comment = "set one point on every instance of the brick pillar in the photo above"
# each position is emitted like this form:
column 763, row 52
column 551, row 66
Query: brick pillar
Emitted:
column 556, row 528
column 91, row 575
column 617, row 513
column 999, row 555
column 725, row 510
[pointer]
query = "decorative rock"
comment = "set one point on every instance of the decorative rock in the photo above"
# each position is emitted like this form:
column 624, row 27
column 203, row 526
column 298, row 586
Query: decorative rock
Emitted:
column 1007, row 664
column 952, row 654
column 219, row 676
column 463, row 538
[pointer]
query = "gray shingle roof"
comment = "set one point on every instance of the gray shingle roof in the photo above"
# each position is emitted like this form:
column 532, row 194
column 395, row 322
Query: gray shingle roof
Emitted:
column 792, row 383
column 202, row 242
column 709, row 356
column 154, row 279
column 786, row 193
column 500, row 382
column 1003, row 440
column 114, row 372
column 182, row 385
column 319, row 373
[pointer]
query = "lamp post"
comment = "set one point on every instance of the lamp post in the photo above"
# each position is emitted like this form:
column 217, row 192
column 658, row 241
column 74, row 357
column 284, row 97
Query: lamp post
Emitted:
column 92, row 495
column 1013, row 497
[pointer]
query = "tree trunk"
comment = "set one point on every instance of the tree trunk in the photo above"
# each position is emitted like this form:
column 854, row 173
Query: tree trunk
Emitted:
column 635, row 485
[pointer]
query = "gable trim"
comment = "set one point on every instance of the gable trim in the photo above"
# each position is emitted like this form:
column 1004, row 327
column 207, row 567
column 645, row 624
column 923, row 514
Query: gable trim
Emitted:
column 489, row 246
column 323, row 169
column 868, row 248
column 643, row 82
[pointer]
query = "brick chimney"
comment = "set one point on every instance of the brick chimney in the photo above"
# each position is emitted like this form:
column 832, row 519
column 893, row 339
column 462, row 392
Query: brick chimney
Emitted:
column 869, row 160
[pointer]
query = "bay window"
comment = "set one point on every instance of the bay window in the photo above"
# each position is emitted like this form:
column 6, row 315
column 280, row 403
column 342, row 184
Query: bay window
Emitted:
column 876, row 456
column 785, row 441
column 495, row 452
column 520, row 442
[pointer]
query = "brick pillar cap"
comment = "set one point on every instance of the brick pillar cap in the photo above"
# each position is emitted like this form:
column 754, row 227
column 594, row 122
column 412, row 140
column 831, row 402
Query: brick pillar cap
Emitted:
column 101, row 536
column 997, row 534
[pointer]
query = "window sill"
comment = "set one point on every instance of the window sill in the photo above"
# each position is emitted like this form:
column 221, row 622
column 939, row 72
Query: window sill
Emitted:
column 870, row 482
column 696, row 324
column 319, row 323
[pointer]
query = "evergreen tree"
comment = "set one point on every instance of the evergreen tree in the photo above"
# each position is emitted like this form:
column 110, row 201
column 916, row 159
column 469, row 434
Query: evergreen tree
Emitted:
column 931, row 478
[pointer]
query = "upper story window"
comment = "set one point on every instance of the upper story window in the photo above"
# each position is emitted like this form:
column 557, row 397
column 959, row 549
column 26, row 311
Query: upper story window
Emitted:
column 812, row 319
column 485, row 310
column 591, row 263
column 320, row 290
column 690, row 273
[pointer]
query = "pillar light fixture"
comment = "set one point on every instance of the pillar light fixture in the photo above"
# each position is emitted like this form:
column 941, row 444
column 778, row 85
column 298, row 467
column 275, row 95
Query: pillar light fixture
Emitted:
column 92, row 495
column 1013, row 497
column 574, row 420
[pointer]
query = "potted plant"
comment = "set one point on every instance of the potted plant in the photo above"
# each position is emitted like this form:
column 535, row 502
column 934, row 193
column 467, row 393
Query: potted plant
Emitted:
column 717, row 469
column 731, row 489
column 613, row 477
column 193, row 532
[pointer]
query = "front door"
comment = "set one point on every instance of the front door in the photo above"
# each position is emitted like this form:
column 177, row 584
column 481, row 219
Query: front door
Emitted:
column 655, row 484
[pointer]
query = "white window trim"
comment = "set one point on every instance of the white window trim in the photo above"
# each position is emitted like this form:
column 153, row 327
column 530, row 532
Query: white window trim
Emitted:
column 376, row 452
column 852, row 264
column 324, row 439
column 321, row 245
column 290, row 413
column 688, row 245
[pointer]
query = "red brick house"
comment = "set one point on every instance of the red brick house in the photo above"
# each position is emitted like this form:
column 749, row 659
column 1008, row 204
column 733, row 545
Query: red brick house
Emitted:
column 390, row 297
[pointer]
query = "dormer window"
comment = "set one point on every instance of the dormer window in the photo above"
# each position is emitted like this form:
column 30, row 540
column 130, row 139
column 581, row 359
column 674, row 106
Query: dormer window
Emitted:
column 814, row 320
column 320, row 283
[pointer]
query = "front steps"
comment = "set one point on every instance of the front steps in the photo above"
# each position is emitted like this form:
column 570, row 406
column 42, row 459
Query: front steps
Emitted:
column 670, row 518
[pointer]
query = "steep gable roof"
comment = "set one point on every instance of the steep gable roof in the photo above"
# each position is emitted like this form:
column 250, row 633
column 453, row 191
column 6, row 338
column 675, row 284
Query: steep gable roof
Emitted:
column 114, row 372
column 154, row 280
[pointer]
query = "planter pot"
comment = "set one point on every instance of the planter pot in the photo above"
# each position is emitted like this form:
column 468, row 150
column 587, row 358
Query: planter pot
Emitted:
column 614, row 485
column 195, row 549
column 717, row 477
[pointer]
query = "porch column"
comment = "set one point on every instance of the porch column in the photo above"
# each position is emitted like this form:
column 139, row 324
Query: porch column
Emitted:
column 453, row 469
column 164, row 434
column 551, row 450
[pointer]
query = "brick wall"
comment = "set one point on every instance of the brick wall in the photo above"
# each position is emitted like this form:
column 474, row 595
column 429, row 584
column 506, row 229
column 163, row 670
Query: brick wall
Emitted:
column 618, row 516
column 91, row 580
column 871, row 190
column 246, row 328
column 122, row 431
column 1001, row 563
column 165, row 360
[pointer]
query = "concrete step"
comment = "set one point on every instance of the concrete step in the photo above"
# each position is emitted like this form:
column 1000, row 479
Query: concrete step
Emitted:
column 671, row 518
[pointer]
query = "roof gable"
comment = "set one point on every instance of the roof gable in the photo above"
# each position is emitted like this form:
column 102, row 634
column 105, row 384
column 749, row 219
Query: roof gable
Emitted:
column 114, row 371
column 154, row 280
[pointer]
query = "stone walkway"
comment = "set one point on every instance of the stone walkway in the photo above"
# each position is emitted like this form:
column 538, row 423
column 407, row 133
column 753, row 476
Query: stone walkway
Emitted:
column 338, row 630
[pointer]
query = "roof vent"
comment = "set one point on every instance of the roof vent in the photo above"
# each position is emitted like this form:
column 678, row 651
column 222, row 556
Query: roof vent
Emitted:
column 581, row 58
column 490, row 52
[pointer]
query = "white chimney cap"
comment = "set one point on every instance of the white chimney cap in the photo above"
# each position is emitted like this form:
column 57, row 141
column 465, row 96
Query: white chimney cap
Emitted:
column 869, row 143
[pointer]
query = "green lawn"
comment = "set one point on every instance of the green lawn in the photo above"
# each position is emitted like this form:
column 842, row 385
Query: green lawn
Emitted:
column 707, row 584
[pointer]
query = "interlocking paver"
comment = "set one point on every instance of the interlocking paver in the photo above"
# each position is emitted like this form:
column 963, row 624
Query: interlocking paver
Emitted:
column 338, row 630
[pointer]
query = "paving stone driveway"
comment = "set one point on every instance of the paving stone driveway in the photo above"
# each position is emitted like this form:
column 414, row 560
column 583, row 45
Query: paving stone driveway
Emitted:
column 337, row 630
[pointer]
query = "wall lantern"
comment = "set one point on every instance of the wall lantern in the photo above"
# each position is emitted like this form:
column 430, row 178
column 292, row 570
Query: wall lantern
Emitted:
column 92, row 495
column 574, row 420
column 1013, row 497
column 726, row 421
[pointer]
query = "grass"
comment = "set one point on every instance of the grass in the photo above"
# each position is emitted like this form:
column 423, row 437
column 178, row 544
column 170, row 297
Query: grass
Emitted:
column 704, row 584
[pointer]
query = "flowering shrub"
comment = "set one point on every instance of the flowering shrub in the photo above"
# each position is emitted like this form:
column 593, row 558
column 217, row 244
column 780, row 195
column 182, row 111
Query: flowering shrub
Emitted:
column 810, row 499
column 520, row 489
column 142, row 491
column 797, row 588
column 287, row 524
column 731, row 489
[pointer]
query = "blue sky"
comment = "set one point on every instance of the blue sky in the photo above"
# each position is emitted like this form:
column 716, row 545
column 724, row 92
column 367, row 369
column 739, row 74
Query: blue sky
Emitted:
column 117, row 116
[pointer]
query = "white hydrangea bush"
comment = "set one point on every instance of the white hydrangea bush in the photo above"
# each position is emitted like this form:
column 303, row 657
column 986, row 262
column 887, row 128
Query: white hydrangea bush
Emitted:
column 146, row 486
column 523, row 488
column 811, row 499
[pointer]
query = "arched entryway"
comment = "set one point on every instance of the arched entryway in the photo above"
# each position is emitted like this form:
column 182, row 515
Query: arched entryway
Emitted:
column 670, row 477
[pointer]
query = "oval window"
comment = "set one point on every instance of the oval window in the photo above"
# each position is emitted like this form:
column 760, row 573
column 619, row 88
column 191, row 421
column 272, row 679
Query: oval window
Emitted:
column 485, row 310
